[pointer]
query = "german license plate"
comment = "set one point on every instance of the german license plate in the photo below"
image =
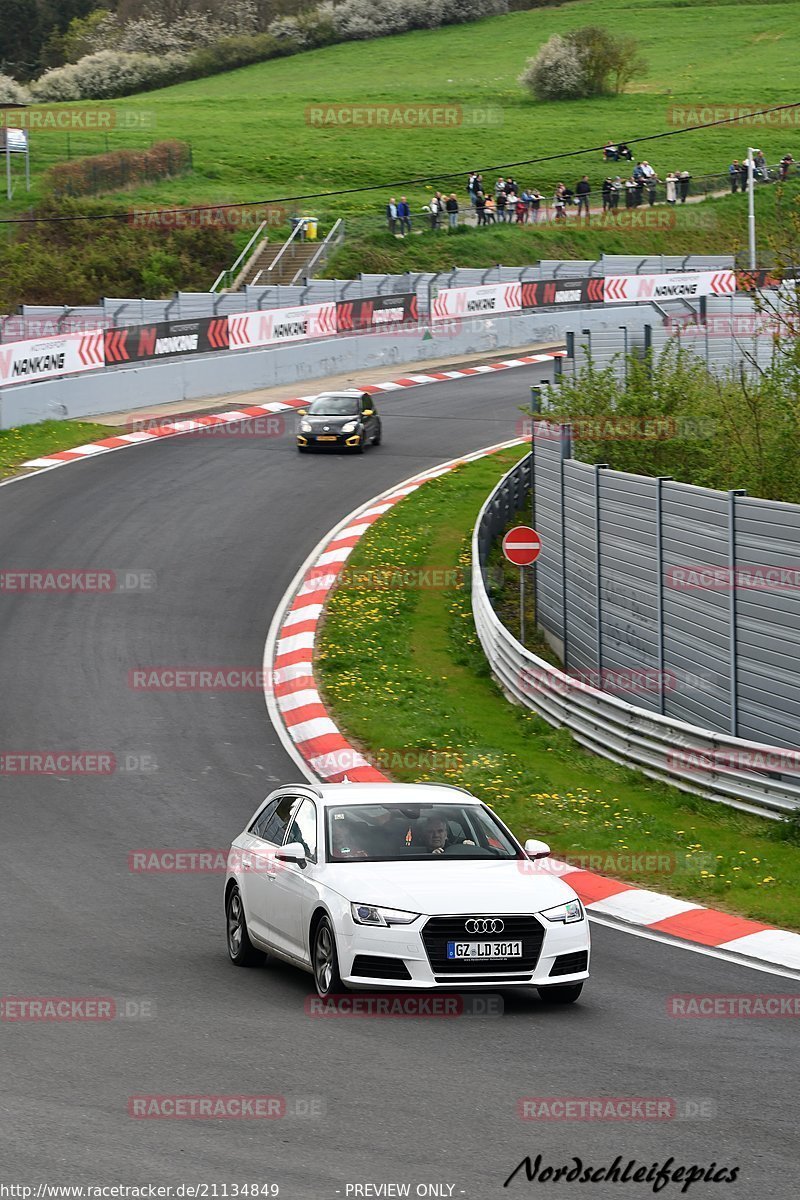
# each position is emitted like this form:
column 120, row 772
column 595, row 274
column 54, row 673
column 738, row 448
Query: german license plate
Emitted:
column 484, row 950
column 326, row 438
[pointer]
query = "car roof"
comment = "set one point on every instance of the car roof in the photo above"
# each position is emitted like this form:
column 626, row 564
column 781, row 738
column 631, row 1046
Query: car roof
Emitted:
column 350, row 393
column 332, row 794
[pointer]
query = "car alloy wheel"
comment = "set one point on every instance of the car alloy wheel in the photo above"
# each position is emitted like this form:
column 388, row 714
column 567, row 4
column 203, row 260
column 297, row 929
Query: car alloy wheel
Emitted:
column 325, row 960
column 241, row 950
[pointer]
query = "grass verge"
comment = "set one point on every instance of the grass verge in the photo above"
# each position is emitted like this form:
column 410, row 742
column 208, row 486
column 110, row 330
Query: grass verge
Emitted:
column 404, row 675
column 19, row 444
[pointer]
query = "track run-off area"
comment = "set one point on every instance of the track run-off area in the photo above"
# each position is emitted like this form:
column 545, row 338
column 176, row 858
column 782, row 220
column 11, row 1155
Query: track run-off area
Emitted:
column 219, row 528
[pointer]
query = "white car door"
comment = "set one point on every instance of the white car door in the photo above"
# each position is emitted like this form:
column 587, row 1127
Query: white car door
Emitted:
column 260, row 866
column 293, row 889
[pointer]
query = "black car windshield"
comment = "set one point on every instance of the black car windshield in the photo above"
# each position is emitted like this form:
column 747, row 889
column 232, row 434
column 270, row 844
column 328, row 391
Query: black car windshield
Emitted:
column 334, row 406
column 398, row 832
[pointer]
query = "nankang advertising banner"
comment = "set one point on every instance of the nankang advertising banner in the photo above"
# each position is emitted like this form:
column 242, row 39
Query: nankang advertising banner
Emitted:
column 376, row 312
column 47, row 358
column 165, row 339
column 538, row 293
column 677, row 285
column 276, row 325
column 484, row 301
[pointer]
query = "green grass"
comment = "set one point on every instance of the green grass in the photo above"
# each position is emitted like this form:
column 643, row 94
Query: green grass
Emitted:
column 403, row 674
column 251, row 140
column 31, row 441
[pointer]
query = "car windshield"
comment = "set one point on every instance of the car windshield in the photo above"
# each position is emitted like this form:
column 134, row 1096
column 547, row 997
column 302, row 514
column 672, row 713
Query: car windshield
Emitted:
column 334, row 406
column 397, row 832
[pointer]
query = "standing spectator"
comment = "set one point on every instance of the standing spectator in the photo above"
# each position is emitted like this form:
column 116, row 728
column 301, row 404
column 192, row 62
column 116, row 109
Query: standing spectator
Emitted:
column 631, row 188
column 391, row 215
column 735, row 172
column 761, row 165
column 583, row 190
column 434, row 210
column 499, row 187
column 535, row 203
column 480, row 206
column 651, row 184
column 616, row 187
column 404, row 215
column 744, row 173
column 500, row 203
column 606, row 193
column 511, row 186
column 672, row 188
column 451, row 205
column 521, row 209
column 471, row 185
column 786, row 163
column 489, row 216
column 684, row 179
column 559, row 203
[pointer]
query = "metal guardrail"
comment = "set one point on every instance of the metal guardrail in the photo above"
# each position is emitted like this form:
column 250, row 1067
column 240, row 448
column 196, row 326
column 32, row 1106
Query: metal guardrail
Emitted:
column 661, row 747
column 230, row 272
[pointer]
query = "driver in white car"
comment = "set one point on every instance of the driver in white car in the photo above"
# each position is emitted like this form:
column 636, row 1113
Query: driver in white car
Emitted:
column 435, row 836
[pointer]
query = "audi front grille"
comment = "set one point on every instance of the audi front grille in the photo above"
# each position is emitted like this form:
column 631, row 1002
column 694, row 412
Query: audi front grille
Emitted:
column 438, row 931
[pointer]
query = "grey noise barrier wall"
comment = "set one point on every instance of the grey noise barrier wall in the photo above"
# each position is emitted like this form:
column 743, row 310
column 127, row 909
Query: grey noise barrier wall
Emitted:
column 698, row 686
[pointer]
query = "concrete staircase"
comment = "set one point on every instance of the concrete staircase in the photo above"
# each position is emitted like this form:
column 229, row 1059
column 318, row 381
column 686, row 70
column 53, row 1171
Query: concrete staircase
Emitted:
column 290, row 263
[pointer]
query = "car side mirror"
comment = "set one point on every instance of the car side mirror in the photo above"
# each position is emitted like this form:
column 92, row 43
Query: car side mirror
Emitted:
column 294, row 852
column 536, row 849
column 368, row 412
column 302, row 412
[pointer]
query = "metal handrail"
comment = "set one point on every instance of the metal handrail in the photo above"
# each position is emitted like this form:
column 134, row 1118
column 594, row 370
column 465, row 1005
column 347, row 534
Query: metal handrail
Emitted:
column 322, row 249
column 604, row 724
column 297, row 232
column 228, row 272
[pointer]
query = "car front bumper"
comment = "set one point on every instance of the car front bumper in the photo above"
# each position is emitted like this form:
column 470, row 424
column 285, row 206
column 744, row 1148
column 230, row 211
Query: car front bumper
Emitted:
column 327, row 440
column 400, row 957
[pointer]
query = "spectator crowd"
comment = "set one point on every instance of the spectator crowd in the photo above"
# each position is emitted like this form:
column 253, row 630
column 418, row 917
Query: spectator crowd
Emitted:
column 506, row 202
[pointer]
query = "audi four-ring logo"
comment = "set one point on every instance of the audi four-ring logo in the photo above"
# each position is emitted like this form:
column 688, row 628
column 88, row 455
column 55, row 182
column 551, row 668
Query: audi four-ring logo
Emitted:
column 485, row 925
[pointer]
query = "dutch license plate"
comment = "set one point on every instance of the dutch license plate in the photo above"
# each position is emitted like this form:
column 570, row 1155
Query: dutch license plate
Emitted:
column 484, row 950
column 326, row 438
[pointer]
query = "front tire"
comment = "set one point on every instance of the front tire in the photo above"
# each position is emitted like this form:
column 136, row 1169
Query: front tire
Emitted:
column 362, row 444
column 561, row 993
column 325, row 961
column 241, row 950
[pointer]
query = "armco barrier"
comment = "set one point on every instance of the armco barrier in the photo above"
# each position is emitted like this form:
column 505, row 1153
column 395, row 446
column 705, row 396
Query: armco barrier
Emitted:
column 686, row 756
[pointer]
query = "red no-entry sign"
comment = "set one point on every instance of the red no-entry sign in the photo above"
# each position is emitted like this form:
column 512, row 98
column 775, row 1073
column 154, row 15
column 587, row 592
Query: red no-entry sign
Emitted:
column 522, row 545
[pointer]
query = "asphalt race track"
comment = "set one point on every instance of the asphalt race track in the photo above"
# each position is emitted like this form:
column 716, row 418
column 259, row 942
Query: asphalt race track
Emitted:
column 224, row 524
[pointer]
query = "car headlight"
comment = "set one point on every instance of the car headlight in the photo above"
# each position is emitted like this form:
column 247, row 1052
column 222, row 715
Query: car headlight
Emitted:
column 369, row 914
column 569, row 912
column 305, row 427
column 350, row 427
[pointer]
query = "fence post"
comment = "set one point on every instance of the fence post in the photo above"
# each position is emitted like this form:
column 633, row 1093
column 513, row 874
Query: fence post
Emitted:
column 598, row 467
column 624, row 329
column 570, row 340
column 566, row 452
column 733, row 672
column 536, row 408
column 660, row 480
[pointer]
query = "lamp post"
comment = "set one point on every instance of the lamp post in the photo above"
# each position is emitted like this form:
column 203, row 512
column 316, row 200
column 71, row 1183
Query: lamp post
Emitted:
column 751, row 209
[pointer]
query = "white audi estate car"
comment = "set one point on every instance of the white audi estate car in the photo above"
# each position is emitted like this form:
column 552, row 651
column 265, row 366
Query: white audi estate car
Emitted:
column 414, row 886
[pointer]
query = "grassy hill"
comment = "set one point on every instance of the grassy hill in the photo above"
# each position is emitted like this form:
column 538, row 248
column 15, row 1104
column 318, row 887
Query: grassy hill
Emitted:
column 252, row 140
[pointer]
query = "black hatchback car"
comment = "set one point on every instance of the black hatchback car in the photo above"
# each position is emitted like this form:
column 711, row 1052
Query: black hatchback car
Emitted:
column 347, row 419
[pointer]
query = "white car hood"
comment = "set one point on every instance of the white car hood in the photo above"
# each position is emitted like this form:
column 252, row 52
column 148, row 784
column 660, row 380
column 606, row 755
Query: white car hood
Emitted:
column 461, row 886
